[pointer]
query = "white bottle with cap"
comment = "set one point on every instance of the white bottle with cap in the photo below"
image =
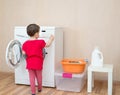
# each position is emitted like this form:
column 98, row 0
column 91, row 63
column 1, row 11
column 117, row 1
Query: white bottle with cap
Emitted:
column 97, row 57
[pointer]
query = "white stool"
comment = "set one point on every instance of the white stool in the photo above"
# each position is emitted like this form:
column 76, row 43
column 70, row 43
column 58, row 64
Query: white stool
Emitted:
column 105, row 68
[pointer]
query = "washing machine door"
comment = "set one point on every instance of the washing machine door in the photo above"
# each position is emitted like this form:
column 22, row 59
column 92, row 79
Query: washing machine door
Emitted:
column 13, row 53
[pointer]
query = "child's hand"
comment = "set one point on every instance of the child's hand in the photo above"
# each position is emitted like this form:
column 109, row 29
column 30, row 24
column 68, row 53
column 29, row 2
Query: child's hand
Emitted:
column 49, row 42
column 52, row 37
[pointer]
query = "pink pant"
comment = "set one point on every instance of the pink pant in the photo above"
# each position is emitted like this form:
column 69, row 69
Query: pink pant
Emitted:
column 35, row 74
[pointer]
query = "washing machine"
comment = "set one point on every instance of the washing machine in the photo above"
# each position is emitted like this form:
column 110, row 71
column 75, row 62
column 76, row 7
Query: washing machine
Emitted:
column 52, row 60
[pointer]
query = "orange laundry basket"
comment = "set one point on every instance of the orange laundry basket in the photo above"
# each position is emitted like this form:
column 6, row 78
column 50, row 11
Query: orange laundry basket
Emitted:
column 73, row 65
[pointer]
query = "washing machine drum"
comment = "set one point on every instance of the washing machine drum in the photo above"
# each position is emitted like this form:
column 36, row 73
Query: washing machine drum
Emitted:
column 13, row 53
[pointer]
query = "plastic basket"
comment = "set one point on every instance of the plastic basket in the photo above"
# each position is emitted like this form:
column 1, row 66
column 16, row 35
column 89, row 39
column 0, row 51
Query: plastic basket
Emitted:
column 73, row 65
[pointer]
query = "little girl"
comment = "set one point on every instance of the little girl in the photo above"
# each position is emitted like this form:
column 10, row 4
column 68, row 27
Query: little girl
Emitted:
column 32, row 48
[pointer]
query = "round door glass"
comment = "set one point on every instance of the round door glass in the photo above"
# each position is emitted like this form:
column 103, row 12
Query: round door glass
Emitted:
column 13, row 53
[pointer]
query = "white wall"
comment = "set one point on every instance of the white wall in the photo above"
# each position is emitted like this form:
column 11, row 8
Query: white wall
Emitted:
column 86, row 23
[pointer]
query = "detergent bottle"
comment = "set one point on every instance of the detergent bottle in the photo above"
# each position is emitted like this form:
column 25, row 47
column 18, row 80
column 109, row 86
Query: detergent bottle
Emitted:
column 97, row 57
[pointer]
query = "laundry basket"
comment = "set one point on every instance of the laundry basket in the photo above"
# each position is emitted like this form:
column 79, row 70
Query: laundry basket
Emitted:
column 73, row 65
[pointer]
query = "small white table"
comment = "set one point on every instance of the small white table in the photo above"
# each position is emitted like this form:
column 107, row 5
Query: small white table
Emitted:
column 105, row 68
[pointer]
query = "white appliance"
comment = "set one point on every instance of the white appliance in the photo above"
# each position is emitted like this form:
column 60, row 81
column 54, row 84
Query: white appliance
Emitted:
column 52, row 59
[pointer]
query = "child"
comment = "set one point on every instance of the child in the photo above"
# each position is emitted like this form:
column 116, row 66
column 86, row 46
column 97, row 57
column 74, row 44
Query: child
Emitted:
column 34, row 57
